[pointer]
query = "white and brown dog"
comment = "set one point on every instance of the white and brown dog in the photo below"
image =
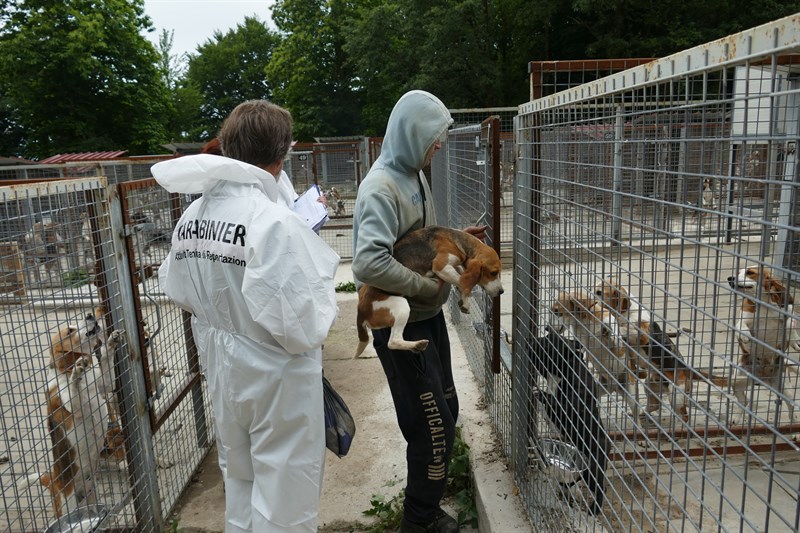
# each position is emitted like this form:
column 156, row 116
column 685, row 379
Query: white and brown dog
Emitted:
column 598, row 331
column 765, row 332
column 454, row 256
column 71, row 343
column 77, row 414
column 656, row 355
column 335, row 202
column 708, row 199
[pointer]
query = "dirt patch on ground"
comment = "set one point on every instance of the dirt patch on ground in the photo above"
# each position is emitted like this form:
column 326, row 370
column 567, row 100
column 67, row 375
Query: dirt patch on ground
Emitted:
column 376, row 461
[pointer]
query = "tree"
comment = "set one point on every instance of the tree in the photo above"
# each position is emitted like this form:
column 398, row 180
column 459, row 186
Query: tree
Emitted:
column 627, row 28
column 172, row 65
column 378, row 36
column 12, row 134
column 81, row 77
column 309, row 69
column 228, row 70
column 184, row 123
column 458, row 56
column 470, row 53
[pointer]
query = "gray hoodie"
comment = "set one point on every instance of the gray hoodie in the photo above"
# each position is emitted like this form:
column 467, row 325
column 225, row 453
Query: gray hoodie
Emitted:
column 394, row 198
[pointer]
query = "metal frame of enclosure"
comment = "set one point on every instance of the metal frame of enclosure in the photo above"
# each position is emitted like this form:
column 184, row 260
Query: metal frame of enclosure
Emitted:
column 670, row 177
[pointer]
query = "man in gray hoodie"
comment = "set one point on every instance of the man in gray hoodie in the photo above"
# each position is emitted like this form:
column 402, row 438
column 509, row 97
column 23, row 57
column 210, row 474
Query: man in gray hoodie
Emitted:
column 393, row 199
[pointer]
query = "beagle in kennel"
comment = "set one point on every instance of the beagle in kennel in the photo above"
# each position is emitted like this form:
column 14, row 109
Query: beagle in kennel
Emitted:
column 765, row 332
column 71, row 342
column 77, row 419
column 598, row 331
column 653, row 350
column 454, row 256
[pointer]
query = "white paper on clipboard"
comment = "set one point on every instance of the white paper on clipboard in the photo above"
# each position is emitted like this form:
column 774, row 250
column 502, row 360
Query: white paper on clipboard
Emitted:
column 310, row 209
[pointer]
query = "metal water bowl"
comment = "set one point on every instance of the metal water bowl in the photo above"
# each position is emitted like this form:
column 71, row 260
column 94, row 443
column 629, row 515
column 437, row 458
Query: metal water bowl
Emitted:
column 83, row 519
column 562, row 461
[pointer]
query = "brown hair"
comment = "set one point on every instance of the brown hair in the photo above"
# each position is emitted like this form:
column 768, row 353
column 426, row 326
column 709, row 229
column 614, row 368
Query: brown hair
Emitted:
column 212, row 147
column 257, row 132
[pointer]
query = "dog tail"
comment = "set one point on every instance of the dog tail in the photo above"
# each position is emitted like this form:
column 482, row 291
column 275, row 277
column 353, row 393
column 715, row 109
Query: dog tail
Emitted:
column 29, row 480
column 716, row 380
column 363, row 335
column 362, row 342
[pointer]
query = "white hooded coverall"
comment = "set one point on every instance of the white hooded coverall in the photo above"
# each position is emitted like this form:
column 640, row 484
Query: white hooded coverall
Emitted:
column 259, row 284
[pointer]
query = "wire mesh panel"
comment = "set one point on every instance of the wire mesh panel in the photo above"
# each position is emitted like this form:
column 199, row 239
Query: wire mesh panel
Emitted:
column 374, row 145
column 655, row 341
column 472, row 116
column 64, row 444
column 94, row 359
column 550, row 77
column 506, row 155
column 465, row 186
column 339, row 165
column 299, row 166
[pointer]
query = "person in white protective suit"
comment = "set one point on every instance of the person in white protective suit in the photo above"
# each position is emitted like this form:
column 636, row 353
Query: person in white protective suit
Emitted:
column 259, row 284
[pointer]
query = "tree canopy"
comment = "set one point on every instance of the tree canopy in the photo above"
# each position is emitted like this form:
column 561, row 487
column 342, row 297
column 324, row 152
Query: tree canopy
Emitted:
column 229, row 69
column 80, row 75
column 312, row 76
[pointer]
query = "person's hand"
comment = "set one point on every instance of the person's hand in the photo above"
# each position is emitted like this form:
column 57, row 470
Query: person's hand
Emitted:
column 477, row 231
column 431, row 287
column 323, row 200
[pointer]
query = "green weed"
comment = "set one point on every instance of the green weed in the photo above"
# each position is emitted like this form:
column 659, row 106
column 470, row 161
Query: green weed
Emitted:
column 76, row 278
column 460, row 483
column 460, row 486
column 348, row 286
column 389, row 512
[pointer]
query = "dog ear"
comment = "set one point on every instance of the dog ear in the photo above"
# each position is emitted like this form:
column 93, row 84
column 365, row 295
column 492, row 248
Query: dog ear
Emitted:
column 471, row 275
column 776, row 291
column 624, row 303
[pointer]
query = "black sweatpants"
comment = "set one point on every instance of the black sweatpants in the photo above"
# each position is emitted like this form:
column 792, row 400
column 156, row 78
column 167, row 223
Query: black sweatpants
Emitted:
column 426, row 404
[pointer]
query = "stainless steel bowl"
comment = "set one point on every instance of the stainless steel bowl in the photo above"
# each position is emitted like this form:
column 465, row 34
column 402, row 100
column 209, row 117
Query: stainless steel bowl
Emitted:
column 563, row 461
column 83, row 519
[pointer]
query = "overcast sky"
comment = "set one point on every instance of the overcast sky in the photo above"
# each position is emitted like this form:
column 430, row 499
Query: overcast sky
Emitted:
column 194, row 21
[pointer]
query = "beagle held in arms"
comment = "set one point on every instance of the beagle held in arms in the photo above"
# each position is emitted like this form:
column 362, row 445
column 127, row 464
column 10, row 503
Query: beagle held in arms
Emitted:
column 454, row 256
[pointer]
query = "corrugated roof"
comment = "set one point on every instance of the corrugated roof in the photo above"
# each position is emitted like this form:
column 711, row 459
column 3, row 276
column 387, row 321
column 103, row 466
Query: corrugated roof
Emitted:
column 184, row 148
column 15, row 161
column 84, row 156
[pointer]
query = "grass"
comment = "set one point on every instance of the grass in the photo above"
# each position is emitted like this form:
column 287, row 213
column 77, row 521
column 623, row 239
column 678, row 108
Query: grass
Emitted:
column 348, row 286
column 76, row 278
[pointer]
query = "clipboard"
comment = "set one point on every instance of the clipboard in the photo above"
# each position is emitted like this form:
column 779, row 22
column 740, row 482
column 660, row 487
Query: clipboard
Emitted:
column 310, row 209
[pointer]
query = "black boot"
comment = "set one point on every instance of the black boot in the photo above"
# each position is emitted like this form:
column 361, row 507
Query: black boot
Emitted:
column 443, row 523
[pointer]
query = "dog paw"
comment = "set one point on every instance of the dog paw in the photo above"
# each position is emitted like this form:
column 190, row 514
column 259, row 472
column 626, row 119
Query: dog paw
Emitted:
column 420, row 346
column 115, row 339
column 80, row 367
column 162, row 462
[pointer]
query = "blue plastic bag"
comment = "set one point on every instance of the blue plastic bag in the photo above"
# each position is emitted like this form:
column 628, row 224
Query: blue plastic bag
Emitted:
column 340, row 428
